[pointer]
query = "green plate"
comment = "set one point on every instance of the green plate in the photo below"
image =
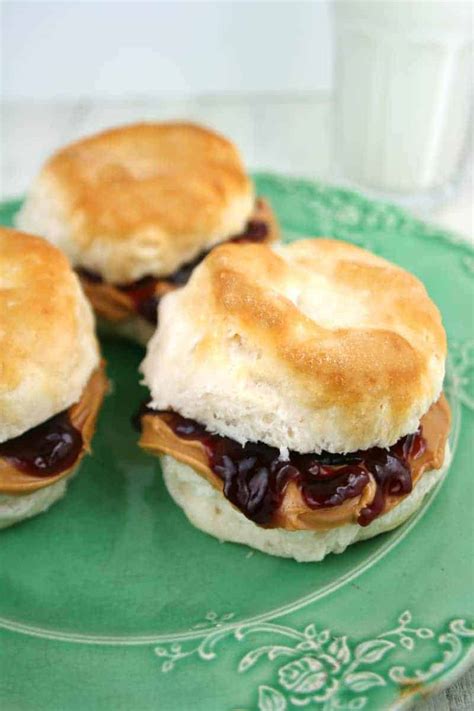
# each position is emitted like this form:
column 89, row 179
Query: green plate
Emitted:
column 112, row 600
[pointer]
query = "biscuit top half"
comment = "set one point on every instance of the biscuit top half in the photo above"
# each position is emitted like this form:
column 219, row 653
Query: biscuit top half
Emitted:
column 48, row 349
column 318, row 345
column 140, row 200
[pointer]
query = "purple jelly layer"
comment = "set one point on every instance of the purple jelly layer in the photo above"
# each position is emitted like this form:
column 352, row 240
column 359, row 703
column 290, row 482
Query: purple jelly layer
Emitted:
column 47, row 449
column 255, row 478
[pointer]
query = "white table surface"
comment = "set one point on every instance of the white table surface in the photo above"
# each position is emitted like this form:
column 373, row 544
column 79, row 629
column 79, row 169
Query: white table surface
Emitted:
column 284, row 133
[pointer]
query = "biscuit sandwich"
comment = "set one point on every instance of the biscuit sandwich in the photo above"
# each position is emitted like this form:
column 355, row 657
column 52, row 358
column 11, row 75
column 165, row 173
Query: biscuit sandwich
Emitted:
column 136, row 208
column 52, row 381
column 296, row 396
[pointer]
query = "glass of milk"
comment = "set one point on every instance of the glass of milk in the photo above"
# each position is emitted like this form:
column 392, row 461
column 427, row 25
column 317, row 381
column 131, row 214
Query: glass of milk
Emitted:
column 403, row 94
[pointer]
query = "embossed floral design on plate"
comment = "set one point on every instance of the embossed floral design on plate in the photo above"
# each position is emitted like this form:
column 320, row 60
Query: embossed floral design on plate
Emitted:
column 317, row 668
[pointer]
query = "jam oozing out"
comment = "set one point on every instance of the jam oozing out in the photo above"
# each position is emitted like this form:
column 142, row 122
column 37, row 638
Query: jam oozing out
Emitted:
column 142, row 292
column 255, row 478
column 145, row 300
column 45, row 450
column 255, row 231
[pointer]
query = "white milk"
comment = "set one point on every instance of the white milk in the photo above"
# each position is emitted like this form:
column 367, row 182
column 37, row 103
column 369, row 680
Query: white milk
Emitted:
column 403, row 92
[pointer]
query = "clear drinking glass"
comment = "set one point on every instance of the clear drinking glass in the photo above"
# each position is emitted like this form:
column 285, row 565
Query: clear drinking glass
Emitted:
column 403, row 113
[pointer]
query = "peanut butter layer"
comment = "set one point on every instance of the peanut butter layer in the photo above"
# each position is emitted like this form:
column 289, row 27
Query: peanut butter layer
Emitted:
column 83, row 415
column 294, row 513
column 115, row 304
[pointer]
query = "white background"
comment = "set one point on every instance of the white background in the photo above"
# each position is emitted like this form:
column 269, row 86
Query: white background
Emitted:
column 69, row 49
column 258, row 71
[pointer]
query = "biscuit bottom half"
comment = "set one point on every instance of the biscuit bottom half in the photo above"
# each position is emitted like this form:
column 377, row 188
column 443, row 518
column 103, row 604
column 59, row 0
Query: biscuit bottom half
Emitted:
column 207, row 509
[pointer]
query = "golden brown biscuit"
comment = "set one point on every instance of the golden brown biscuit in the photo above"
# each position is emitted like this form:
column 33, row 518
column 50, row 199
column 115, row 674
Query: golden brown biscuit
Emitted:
column 142, row 204
column 140, row 200
column 318, row 345
column 48, row 349
column 296, row 396
column 51, row 379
